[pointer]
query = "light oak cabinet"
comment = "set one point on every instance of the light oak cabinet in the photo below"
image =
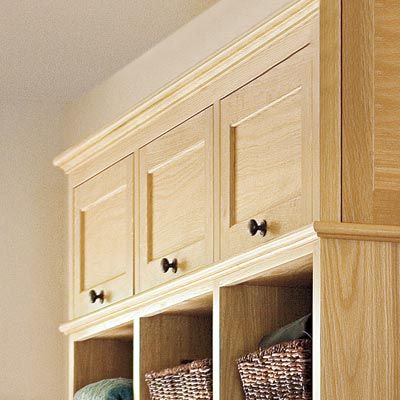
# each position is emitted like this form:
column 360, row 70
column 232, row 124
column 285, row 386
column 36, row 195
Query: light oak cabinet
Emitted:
column 180, row 193
column 161, row 210
column 266, row 158
column 103, row 238
column 176, row 201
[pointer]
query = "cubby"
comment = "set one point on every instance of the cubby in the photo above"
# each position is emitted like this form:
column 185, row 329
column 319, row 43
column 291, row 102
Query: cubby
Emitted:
column 177, row 335
column 254, row 308
column 104, row 356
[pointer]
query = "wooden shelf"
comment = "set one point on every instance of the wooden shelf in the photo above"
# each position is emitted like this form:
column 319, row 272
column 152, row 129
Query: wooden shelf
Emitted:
column 123, row 332
column 296, row 273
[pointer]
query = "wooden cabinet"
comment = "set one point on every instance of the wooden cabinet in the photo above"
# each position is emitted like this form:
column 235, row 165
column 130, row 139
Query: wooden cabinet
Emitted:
column 173, row 188
column 103, row 237
column 242, row 148
column 176, row 200
column 266, row 158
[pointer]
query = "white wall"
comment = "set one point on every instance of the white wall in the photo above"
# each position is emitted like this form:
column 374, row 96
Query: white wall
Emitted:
column 32, row 243
column 181, row 51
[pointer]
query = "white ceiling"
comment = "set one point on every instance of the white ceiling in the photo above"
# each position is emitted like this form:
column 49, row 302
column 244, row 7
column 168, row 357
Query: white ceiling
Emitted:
column 58, row 49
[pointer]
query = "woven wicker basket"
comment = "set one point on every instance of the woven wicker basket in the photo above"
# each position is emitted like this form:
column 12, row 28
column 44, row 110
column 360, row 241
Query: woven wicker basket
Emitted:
column 282, row 371
column 190, row 381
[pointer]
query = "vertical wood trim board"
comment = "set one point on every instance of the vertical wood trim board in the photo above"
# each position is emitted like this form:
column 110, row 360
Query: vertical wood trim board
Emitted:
column 371, row 118
column 137, row 389
column 216, row 345
column 360, row 315
column 386, row 147
column 330, row 110
column 357, row 111
column 316, row 315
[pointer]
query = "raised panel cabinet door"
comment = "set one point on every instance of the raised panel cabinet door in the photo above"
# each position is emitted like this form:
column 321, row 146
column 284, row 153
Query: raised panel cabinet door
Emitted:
column 103, row 238
column 267, row 129
column 176, row 198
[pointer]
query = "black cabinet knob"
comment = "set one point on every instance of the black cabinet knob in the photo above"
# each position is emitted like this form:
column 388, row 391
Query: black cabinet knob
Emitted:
column 255, row 227
column 166, row 265
column 94, row 296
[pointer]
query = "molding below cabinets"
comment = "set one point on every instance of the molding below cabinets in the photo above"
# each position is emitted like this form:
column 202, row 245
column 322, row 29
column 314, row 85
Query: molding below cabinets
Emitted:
column 261, row 261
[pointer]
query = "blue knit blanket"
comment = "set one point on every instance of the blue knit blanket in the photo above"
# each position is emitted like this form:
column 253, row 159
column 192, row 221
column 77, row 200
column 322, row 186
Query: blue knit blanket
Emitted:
column 108, row 389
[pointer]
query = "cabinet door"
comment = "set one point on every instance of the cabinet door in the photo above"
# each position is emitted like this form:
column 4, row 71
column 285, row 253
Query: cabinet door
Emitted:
column 176, row 200
column 103, row 237
column 266, row 162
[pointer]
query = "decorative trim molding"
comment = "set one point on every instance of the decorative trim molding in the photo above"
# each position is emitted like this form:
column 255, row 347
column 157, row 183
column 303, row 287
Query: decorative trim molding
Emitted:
column 365, row 232
column 235, row 270
column 265, row 34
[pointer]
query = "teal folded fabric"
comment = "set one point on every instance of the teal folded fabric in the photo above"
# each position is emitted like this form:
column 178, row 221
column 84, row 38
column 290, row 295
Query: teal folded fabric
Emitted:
column 107, row 389
column 299, row 329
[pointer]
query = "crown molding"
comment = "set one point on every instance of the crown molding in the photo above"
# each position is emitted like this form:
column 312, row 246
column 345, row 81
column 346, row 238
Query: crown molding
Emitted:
column 264, row 34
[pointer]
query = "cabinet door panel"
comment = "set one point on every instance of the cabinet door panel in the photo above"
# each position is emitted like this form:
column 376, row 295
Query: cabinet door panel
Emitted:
column 177, row 181
column 103, row 237
column 176, row 200
column 266, row 165
column 102, row 225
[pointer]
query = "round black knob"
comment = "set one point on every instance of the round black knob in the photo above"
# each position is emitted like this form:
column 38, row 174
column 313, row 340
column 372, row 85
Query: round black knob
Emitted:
column 166, row 265
column 255, row 227
column 94, row 296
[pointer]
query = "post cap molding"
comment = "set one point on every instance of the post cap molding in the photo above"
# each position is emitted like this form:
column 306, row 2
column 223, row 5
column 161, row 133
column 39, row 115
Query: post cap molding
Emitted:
column 350, row 231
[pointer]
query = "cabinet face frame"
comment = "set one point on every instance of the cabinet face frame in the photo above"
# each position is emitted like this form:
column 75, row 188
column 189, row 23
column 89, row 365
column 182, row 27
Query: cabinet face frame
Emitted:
column 240, row 111
column 188, row 147
column 111, row 191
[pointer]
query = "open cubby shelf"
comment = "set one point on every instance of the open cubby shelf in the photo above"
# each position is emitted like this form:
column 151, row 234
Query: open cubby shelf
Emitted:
column 107, row 355
column 246, row 314
column 223, row 324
